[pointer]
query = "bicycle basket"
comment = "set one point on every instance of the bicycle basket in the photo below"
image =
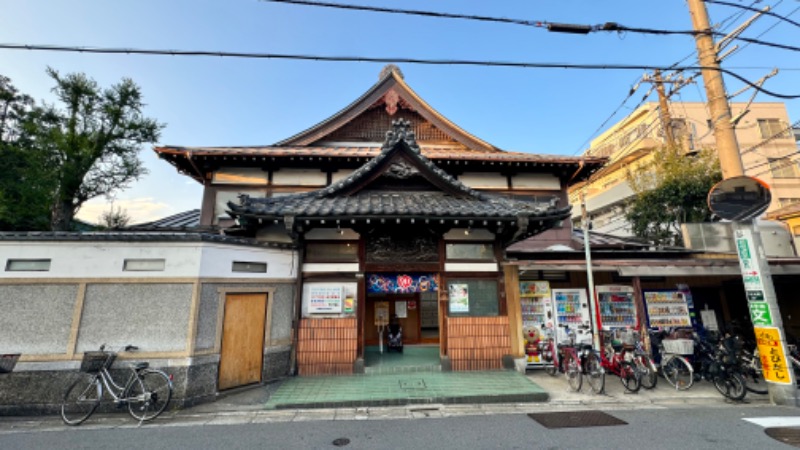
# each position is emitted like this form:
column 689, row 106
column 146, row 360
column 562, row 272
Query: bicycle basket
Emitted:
column 678, row 346
column 94, row 361
column 7, row 362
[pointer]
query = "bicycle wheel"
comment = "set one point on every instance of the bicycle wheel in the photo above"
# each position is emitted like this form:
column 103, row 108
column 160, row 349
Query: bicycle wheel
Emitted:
column 731, row 385
column 647, row 372
column 552, row 367
column 595, row 373
column 148, row 394
column 629, row 377
column 678, row 372
column 572, row 370
column 81, row 399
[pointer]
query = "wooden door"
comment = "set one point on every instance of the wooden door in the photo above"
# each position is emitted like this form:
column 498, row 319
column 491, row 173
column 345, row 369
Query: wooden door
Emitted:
column 242, row 353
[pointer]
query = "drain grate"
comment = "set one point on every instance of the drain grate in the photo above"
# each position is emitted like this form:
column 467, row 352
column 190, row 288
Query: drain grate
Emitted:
column 576, row 419
column 789, row 436
column 413, row 384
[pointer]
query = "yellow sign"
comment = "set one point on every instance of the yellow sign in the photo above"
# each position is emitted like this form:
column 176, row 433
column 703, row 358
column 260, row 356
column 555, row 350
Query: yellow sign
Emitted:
column 773, row 360
column 381, row 313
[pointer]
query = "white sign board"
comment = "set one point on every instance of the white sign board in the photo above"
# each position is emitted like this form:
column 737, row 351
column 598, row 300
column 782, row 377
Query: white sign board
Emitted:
column 325, row 298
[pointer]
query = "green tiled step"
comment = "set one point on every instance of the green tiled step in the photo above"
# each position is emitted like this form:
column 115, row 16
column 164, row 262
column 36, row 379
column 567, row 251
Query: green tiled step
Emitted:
column 394, row 389
column 402, row 369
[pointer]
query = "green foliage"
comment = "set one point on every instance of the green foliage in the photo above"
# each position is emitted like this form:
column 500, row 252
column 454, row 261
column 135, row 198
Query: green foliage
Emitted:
column 671, row 190
column 83, row 147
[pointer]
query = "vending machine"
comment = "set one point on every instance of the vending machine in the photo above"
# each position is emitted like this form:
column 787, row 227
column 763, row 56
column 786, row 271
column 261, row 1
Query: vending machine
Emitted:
column 537, row 318
column 571, row 310
column 668, row 308
column 616, row 306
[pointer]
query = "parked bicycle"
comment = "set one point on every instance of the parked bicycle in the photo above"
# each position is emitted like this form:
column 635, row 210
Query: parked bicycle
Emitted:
column 146, row 392
column 618, row 358
column 648, row 374
column 570, row 361
column 710, row 359
column 548, row 352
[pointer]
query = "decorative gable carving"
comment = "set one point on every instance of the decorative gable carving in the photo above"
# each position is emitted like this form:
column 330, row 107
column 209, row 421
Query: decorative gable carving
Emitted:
column 401, row 170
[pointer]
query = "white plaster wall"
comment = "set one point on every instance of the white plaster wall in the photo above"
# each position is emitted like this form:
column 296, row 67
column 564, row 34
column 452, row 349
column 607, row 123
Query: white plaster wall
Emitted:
column 217, row 261
column 471, row 267
column 299, row 177
column 479, row 180
column 536, row 181
column 84, row 259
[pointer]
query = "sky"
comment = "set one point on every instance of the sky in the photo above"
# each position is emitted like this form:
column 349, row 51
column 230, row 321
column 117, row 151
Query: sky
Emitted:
column 218, row 101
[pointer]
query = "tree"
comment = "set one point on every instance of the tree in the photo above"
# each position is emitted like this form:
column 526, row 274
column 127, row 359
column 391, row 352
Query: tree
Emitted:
column 94, row 140
column 26, row 182
column 114, row 218
column 671, row 190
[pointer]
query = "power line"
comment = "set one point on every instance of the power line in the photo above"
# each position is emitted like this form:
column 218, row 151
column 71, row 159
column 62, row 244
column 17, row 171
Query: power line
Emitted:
column 750, row 8
column 454, row 62
column 550, row 26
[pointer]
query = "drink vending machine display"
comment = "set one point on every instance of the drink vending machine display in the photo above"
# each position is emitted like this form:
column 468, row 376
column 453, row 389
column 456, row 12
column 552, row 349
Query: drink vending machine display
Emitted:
column 616, row 307
column 668, row 308
column 537, row 319
column 572, row 310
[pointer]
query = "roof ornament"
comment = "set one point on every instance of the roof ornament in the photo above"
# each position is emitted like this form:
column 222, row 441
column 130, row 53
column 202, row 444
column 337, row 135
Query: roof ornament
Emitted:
column 401, row 130
column 389, row 68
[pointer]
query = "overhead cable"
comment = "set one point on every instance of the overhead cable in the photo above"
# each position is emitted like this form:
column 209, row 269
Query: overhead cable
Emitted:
column 550, row 26
column 749, row 8
column 452, row 62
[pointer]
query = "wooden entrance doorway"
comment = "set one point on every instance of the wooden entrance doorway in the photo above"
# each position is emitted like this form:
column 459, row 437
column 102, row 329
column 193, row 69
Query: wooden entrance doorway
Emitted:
column 397, row 303
column 242, row 352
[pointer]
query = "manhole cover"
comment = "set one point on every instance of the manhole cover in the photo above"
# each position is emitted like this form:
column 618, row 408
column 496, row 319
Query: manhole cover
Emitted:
column 576, row 419
column 341, row 442
column 789, row 436
column 412, row 384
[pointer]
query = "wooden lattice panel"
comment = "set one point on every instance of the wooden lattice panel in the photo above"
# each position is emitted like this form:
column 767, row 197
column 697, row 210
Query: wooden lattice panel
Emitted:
column 326, row 346
column 477, row 343
column 373, row 125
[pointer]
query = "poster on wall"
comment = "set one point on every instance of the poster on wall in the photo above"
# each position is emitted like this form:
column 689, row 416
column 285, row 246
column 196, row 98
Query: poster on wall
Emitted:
column 329, row 298
column 459, row 298
column 325, row 299
column 401, row 309
column 381, row 314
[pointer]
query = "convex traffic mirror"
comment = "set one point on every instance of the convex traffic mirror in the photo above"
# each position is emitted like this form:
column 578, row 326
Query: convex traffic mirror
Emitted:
column 739, row 198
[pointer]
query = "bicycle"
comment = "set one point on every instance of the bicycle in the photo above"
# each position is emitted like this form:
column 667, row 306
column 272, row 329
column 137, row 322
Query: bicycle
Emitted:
column 548, row 352
column 146, row 392
column 617, row 358
column 648, row 374
column 570, row 361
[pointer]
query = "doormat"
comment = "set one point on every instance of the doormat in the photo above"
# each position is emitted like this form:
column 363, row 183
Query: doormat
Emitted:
column 789, row 436
column 576, row 419
column 413, row 384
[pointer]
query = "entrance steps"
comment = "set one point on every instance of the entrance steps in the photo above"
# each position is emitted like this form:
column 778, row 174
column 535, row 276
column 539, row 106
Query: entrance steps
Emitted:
column 380, row 369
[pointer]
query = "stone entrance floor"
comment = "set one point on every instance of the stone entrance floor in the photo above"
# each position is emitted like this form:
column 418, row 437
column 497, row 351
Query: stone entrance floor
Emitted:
column 406, row 388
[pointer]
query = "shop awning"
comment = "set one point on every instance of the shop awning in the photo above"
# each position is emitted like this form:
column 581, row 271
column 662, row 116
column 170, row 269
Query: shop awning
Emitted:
column 660, row 268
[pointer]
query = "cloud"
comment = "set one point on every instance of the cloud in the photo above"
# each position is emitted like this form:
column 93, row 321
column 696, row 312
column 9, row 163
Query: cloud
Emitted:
column 140, row 210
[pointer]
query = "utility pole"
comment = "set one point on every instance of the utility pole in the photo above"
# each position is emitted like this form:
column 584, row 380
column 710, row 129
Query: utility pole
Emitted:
column 589, row 276
column 728, row 148
column 760, row 291
column 663, row 104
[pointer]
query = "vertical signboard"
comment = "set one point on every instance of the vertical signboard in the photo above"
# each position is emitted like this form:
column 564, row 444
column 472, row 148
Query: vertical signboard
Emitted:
column 773, row 360
column 760, row 312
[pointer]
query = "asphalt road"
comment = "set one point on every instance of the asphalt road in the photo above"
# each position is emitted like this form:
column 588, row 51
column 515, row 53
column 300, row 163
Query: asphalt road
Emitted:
column 662, row 428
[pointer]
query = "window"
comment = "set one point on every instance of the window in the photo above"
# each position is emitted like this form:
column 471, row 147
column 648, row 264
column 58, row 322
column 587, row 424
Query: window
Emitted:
column 27, row 265
column 332, row 252
column 249, row 266
column 786, row 201
column 473, row 298
column 472, row 252
column 772, row 127
column 783, row 168
column 144, row 265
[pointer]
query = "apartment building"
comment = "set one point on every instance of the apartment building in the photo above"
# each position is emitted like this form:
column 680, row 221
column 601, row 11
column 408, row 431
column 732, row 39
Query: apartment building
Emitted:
column 767, row 142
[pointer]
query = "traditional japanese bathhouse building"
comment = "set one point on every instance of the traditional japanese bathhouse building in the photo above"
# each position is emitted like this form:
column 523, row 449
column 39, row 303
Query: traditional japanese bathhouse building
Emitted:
column 392, row 210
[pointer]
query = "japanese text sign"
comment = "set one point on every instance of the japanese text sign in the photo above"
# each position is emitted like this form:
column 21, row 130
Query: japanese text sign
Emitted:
column 773, row 360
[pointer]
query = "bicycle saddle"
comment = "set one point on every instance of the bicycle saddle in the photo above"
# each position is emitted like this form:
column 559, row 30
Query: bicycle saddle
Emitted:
column 141, row 365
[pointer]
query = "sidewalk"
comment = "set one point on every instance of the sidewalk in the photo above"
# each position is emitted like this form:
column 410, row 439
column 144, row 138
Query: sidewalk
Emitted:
column 249, row 405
